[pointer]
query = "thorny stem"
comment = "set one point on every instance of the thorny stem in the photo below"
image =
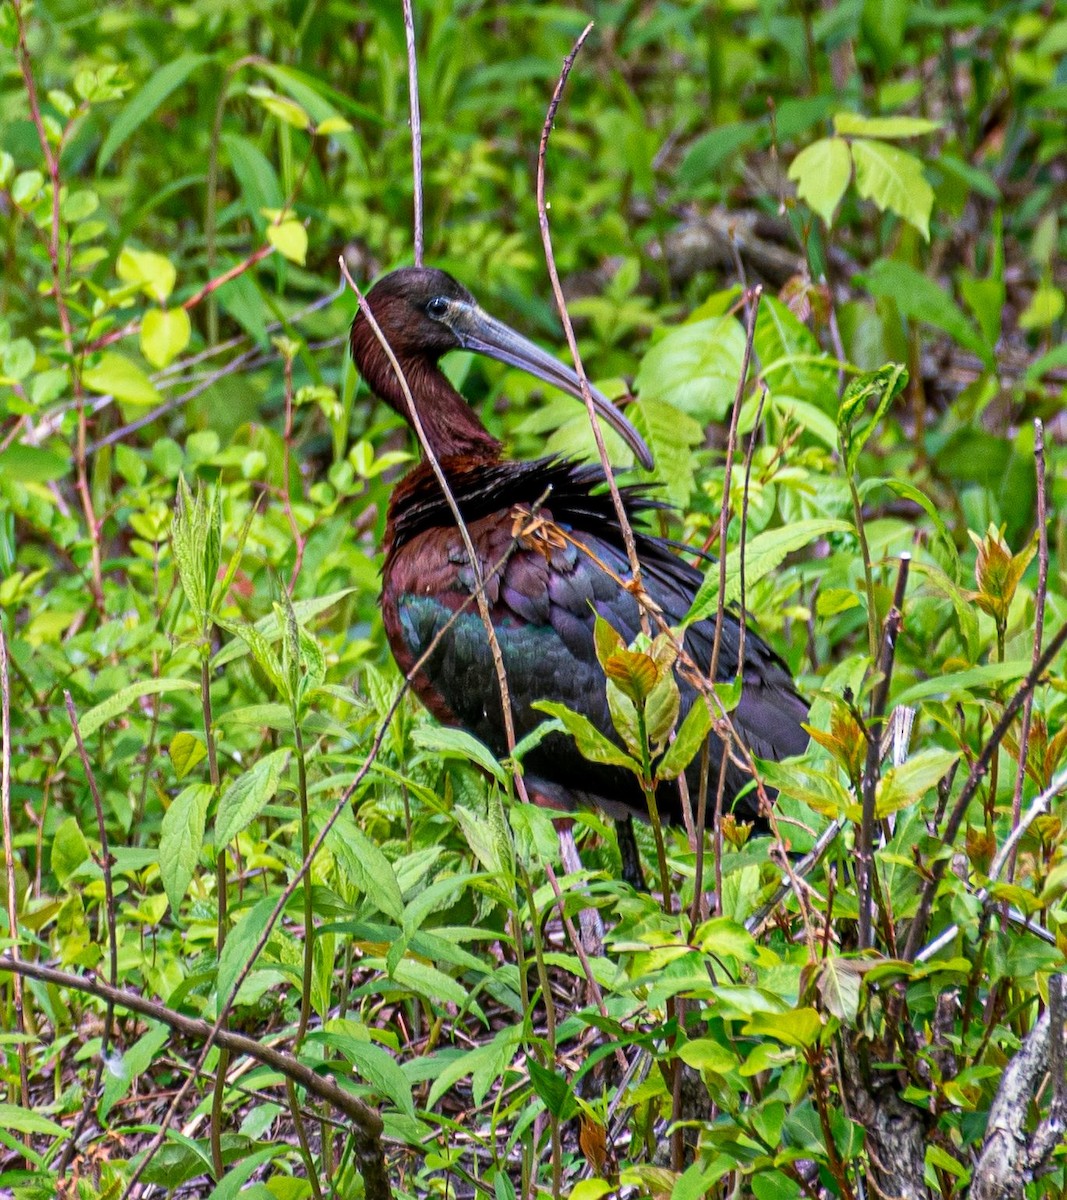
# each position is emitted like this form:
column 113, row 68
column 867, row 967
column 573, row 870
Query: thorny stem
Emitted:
column 1039, row 622
column 865, row 847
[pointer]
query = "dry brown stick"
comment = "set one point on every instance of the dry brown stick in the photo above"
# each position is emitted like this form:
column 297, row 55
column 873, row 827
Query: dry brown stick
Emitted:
column 1039, row 622
column 113, row 959
column 464, row 532
column 416, row 128
column 977, row 773
column 568, row 328
column 865, row 847
column 9, row 866
column 320, row 1086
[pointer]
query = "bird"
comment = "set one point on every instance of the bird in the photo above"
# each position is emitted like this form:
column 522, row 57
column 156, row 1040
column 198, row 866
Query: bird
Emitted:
column 552, row 555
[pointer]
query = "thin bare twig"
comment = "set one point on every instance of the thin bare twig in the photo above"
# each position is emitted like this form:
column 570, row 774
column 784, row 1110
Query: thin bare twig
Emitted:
column 568, row 327
column 113, row 952
column 1039, row 621
column 416, row 128
column 865, row 844
column 9, row 865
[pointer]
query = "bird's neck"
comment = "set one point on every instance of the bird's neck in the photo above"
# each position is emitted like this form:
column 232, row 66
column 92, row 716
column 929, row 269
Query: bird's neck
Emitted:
column 448, row 421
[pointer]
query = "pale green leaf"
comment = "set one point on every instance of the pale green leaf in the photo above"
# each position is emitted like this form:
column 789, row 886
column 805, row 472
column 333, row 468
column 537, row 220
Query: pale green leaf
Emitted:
column 855, row 125
column 695, row 368
column 165, row 333
column 24, row 1120
column 591, row 743
column 281, row 107
column 290, row 239
column 457, row 743
column 152, row 273
column 691, row 735
column 894, row 180
column 821, row 172
column 365, row 866
column 904, row 785
column 115, row 375
column 186, row 750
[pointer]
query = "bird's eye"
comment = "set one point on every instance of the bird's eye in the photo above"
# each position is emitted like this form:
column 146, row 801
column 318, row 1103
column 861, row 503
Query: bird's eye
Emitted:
column 437, row 307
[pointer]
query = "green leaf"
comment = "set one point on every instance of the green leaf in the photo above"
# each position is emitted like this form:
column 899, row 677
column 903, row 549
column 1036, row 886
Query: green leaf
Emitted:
column 281, row 107
column 365, row 866
column 921, row 299
column 290, row 239
column 854, row 125
column 133, row 1063
column 961, row 685
column 269, row 628
column 457, row 743
column 821, row 173
column 32, row 464
column 110, row 708
column 182, row 838
column 377, row 1066
column 902, row 786
column 186, row 750
column 883, row 385
column 24, row 1120
column 800, row 1027
column 144, row 103
column 115, row 375
column 692, row 734
column 762, row 554
column 165, row 333
column 894, row 180
column 245, row 797
column 69, row 850
column 152, row 273
column 671, row 435
column 591, row 743
column 240, row 943
column 695, row 368
column 258, row 181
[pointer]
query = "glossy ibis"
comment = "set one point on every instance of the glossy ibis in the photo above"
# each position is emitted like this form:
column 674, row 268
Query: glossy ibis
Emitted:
column 542, row 599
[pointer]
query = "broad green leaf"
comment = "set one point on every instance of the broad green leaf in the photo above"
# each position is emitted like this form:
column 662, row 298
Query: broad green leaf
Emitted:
column 115, row 375
column 152, row 273
column 821, row 173
column 32, row 464
column 259, row 184
column 908, row 783
column 181, row 840
column 240, row 942
column 186, row 750
column 854, row 125
column 234, row 1182
column 591, row 743
column 894, row 180
column 920, row 298
column 762, row 554
column 290, row 239
column 707, row 1054
column 132, row 1063
column 110, row 708
column 165, row 333
column 671, row 435
column 69, row 850
column 245, row 797
column 24, row 1120
column 377, row 1066
column 365, row 866
column 691, row 735
column 910, row 492
column 799, row 1027
column 961, row 685
column 268, row 626
column 144, row 103
column 457, row 743
column 695, row 368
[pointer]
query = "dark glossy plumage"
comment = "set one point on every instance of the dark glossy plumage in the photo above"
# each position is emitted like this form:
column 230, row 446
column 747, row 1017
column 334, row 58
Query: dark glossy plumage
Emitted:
column 544, row 595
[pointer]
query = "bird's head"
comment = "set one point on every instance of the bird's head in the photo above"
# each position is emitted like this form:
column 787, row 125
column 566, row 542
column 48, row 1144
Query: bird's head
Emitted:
column 424, row 313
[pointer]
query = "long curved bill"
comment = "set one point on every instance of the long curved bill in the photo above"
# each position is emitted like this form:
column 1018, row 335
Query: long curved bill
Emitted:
column 480, row 332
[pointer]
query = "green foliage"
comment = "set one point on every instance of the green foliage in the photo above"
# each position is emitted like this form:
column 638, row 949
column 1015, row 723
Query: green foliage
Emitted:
column 192, row 494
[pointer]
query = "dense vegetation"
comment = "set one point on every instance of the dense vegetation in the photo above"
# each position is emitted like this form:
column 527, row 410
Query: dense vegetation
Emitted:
column 195, row 681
